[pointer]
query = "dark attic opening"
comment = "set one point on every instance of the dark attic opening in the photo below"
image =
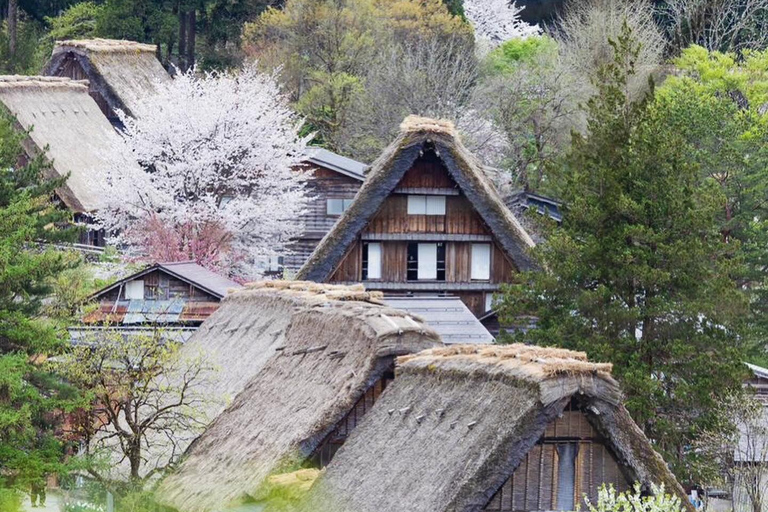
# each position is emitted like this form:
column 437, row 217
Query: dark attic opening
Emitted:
column 328, row 447
column 570, row 461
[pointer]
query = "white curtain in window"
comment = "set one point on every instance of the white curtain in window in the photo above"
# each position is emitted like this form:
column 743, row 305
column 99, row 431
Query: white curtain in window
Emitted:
column 481, row 261
column 374, row 261
column 134, row 290
column 427, row 261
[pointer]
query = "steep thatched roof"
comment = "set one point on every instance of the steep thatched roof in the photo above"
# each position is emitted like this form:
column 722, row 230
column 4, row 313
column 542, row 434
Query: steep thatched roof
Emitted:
column 64, row 118
column 416, row 135
column 122, row 71
column 457, row 422
column 304, row 354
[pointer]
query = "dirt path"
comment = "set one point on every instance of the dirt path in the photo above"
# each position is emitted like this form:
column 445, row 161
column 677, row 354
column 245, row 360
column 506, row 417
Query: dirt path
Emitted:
column 52, row 503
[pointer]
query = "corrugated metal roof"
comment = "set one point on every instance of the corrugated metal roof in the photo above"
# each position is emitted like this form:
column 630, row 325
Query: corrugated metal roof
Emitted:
column 449, row 316
column 759, row 371
column 200, row 276
column 336, row 162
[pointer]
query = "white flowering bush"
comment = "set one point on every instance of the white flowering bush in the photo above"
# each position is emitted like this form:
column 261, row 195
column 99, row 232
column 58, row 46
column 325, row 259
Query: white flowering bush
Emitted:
column 83, row 506
column 608, row 500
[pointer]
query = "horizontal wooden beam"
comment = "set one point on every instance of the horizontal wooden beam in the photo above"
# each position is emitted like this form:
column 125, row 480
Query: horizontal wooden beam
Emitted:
column 427, row 191
column 426, row 237
column 432, row 286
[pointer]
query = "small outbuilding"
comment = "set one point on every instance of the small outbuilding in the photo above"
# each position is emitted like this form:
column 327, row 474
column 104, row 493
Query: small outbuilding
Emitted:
column 491, row 428
column 119, row 73
column 309, row 362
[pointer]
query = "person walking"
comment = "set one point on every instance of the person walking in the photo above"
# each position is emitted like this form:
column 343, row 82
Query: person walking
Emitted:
column 37, row 493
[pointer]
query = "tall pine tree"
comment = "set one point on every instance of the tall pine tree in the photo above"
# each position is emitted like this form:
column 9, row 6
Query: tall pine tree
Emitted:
column 639, row 274
column 29, row 395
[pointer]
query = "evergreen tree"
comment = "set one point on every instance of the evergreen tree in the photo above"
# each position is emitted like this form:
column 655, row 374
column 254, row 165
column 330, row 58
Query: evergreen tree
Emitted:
column 29, row 396
column 639, row 274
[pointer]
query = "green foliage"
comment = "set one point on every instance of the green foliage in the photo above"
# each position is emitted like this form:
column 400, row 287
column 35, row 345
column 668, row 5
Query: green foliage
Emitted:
column 608, row 500
column 28, row 393
column 507, row 57
column 10, row 500
column 30, row 55
column 717, row 103
column 639, row 274
column 77, row 22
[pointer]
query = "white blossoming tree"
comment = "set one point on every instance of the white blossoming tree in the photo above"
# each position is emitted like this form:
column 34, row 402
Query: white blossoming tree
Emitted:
column 496, row 21
column 218, row 182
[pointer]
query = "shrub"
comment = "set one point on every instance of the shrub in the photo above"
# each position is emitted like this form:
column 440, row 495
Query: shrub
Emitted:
column 608, row 500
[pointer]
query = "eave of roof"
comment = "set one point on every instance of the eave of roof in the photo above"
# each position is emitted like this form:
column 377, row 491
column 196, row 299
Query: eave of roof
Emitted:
column 335, row 162
column 165, row 268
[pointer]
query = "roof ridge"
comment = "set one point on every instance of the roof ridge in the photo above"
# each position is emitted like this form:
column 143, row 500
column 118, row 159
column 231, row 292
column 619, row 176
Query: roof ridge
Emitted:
column 105, row 45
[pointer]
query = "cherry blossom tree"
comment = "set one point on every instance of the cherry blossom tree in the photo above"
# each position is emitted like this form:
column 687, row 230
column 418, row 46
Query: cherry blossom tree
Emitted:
column 219, row 154
column 496, row 21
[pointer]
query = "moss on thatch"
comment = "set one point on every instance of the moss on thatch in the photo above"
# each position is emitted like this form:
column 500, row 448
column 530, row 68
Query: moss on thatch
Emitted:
column 418, row 134
column 303, row 358
column 458, row 421
column 64, row 118
column 122, row 72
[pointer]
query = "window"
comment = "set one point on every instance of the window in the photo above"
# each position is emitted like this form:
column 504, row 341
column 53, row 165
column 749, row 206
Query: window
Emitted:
column 426, row 205
column 134, row 290
column 426, row 262
column 566, row 475
column 337, row 206
column 371, row 261
column 490, row 302
column 481, row 262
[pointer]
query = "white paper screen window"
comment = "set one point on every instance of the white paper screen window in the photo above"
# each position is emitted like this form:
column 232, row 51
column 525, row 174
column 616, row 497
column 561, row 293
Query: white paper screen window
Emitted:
column 481, row 262
column 435, row 205
column 134, row 290
column 374, row 261
column 417, row 205
column 427, row 261
column 335, row 206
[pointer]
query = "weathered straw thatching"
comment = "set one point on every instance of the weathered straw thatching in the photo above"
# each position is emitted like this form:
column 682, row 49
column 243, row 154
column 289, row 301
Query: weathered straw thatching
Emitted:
column 121, row 72
column 63, row 117
column 458, row 421
column 329, row 345
column 416, row 135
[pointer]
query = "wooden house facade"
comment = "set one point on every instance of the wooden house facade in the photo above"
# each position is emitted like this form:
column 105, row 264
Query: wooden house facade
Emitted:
column 119, row 73
column 181, row 294
column 550, row 429
column 334, row 180
column 426, row 221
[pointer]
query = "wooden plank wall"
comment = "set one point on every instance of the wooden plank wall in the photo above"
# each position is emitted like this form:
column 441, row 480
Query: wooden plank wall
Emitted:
column 333, row 441
column 71, row 68
column 326, row 184
column 427, row 172
column 533, row 486
column 161, row 286
column 460, row 218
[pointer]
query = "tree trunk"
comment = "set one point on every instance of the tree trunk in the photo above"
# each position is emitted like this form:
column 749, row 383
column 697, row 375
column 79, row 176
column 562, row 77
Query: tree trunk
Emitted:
column 191, row 37
column 13, row 20
column 182, row 39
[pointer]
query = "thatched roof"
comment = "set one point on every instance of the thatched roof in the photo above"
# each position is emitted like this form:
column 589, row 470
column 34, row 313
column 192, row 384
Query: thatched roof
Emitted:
column 416, row 135
column 304, row 354
column 123, row 72
column 457, row 422
column 64, row 118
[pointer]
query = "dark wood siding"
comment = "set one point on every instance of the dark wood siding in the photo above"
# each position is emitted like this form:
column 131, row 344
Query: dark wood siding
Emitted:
column 534, row 484
column 460, row 218
column 71, row 68
column 427, row 172
column 161, row 286
column 333, row 441
column 323, row 185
